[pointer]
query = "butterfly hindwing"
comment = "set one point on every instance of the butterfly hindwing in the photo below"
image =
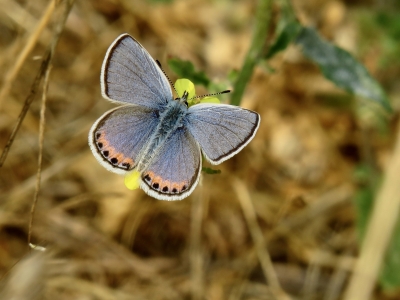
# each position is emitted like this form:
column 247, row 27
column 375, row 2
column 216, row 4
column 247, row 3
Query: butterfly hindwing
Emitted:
column 158, row 137
column 130, row 75
column 175, row 171
column 221, row 130
column 118, row 136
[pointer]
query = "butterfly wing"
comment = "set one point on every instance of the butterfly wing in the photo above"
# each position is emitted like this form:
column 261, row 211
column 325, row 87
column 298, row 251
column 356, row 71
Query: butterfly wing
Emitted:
column 221, row 130
column 130, row 75
column 175, row 172
column 118, row 136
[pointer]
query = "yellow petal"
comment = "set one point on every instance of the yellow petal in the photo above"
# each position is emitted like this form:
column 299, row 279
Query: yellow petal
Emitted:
column 132, row 180
column 210, row 100
column 182, row 85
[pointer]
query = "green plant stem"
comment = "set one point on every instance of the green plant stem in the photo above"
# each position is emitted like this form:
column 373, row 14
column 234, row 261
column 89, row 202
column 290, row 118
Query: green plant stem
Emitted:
column 261, row 29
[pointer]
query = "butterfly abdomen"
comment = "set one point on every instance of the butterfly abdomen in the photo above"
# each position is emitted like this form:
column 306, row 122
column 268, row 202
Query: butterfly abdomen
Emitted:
column 171, row 119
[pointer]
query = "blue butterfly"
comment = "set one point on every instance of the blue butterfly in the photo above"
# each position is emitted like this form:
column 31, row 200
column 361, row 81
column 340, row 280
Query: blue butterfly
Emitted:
column 156, row 135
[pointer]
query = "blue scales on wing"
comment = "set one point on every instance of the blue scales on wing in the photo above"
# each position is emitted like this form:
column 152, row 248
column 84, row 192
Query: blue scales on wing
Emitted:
column 130, row 75
column 221, row 130
column 118, row 136
column 175, row 171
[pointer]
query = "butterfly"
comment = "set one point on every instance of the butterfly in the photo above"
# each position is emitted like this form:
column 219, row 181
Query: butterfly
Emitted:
column 156, row 135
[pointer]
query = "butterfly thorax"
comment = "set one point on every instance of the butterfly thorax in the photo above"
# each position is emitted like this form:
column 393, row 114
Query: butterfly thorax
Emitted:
column 170, row 120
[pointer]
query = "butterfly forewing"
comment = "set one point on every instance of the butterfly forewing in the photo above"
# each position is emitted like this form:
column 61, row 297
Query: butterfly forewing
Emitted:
column 118, row 136
column 221, row 130
column 174, row 172
column 130, row 75
column 140, row 135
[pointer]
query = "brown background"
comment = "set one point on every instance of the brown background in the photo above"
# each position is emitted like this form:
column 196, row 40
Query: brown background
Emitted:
column 298, row 175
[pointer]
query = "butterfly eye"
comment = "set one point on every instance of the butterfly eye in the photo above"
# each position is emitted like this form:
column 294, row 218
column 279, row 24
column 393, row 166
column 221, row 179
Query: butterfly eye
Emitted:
column 156, row 113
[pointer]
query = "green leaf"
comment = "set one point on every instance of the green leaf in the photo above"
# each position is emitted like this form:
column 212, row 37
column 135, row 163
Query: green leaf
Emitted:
column 340, row 67
column 210, row 171
column 287, row 34
column 380, row 28
column 390, row 22
column 232, row 75
column 185, row 69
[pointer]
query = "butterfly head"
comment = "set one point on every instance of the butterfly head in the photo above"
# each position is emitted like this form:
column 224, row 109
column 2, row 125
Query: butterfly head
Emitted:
column 183, row 99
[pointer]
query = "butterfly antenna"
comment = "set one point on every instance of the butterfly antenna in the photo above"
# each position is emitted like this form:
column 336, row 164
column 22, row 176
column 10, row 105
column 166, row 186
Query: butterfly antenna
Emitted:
column 170, row 82
column 209, row 95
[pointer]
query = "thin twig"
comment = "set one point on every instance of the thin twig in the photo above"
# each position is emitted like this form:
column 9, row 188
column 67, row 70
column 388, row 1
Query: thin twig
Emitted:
column 312, row 275
column 337, row 281
column 38, row 79
column 40, row 155
column 32, row 40
column 27, row 104
column 18, row 194
column 57, row 34
column 258, row 238
column 326, row 202
column 379, row 231
column 196, row 257
column 250, row 263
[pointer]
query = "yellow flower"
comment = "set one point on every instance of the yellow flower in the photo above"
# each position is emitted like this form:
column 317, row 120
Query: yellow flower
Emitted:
column 210, row 99
column 132, row 181
column 182, row 85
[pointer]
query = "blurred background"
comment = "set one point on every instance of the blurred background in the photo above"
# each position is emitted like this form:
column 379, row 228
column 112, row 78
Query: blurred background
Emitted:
column 285, row 217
